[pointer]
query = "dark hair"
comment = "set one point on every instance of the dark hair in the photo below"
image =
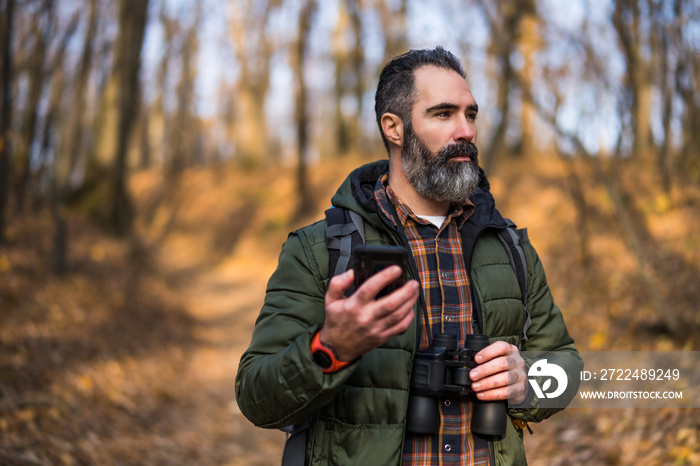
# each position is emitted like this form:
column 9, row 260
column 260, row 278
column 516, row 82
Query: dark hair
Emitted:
column 396, row 88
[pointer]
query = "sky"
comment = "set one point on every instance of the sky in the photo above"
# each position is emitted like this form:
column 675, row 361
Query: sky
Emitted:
column 585, row 110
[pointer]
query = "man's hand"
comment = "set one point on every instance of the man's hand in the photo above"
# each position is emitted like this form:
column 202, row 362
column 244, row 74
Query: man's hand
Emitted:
column 357, row 324
column 492, row 379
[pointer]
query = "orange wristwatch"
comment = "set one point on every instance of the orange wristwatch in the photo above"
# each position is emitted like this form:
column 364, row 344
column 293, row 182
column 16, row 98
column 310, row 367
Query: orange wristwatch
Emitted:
column 325, row 357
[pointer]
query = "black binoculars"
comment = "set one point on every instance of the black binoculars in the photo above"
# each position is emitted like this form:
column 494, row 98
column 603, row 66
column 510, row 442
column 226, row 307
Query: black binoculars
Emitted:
column 443, row 370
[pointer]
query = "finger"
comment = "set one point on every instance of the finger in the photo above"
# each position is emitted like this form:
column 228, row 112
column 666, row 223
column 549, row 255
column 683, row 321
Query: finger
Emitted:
column 516, row 361
column 403, row 325
column 489, row 368
column 483, row 379
column 493, row 395
column 494, row 388
column 338, row 285
column 407, row 294
column 373, row 285
column 400, row 326
column 398, row 321
column 494, row 350
column 517, row 392
column 507, row 385
column 406, row 321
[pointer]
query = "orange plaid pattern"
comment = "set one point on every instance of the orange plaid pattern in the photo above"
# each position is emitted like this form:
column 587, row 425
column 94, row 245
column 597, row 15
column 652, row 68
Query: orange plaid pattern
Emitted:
column 445, row 282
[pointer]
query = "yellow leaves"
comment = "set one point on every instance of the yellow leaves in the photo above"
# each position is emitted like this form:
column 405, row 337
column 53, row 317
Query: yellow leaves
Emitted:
column 86, row 384
column 663, row 343
column 682, row 456
column 55, row 313
column 4, row 263
column 97, row 253
column 598, row 341
column 66, row 459
column 687, row 435
column 686, row 450
column 161, row 219
column 26, row 415
column 662, row 203
column 604, row 425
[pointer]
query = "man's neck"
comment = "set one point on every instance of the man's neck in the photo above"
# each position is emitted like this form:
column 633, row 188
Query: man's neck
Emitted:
column 419, row 204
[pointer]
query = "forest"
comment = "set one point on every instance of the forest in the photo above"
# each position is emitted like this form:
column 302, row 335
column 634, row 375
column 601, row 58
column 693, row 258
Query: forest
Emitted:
column 154, row 155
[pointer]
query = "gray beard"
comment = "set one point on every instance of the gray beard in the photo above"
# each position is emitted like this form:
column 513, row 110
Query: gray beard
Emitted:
column 435, row 176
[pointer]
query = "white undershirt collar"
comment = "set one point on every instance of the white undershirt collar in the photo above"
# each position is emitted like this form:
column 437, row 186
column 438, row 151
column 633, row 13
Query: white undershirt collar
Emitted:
column 434, row 219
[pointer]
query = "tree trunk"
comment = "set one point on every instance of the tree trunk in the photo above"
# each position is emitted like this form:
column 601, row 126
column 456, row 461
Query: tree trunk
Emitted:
column 504, row 26
column 251, row 138
column 301, row 113
column 638, row 73
column 686, row 85
column 358, row 60
column 6, row 28
column 57, row 185
column 349, row 78
column 665, row 159
column 342, row 132
column 74, row 134
column 31, row 109
column 340, row 58
column 185, row 127
column 132, row 26
column 497, row 141
column 528, row 43
column 394, row 27
column 159, row 123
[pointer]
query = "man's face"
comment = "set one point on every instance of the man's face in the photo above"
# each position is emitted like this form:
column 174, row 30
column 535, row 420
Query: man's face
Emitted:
column 439, row 155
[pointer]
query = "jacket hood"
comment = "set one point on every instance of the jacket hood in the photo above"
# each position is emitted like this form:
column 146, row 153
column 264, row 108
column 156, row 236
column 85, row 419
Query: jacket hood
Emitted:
column 357, row 194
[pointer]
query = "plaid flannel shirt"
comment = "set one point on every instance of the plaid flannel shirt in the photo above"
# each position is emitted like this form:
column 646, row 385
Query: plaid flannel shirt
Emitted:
column 445, row 282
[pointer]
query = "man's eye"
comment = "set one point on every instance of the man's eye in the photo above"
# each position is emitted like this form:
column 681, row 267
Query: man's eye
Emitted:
column 471, row 116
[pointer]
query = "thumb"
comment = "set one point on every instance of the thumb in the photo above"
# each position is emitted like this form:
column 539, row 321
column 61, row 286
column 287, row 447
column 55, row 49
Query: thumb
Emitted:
column 338, row 285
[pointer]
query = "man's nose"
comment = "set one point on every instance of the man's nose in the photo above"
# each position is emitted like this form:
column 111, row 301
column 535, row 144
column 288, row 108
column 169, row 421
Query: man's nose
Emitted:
column 465, row 129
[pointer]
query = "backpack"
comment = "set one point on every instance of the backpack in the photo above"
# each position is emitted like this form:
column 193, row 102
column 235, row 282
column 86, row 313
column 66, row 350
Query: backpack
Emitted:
column 345, row 231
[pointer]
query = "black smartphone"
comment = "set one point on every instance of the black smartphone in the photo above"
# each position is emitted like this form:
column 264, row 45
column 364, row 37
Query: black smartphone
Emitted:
column 372, row 259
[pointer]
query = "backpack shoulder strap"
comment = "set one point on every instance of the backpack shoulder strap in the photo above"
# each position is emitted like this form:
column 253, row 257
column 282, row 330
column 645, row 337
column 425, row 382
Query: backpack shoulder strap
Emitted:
column 345, row 230
column 295, row 448
column 510, row 238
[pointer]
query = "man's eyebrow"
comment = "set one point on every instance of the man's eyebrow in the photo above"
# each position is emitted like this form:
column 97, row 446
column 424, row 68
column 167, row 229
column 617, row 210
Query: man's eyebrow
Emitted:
column 449, row 106
column 442, row 106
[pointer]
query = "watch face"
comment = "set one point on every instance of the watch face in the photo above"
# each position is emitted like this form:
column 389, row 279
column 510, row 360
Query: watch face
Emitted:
column 322, row 359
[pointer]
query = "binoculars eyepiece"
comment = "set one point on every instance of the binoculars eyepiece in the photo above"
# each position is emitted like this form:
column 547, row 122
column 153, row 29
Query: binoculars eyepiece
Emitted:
column 443, row 370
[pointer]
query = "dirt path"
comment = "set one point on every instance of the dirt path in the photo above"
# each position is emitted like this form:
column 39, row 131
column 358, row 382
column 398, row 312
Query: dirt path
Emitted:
column 224, row 302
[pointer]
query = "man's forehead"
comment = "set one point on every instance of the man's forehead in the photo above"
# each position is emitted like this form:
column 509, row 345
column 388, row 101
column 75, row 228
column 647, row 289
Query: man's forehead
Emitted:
column 441, row 85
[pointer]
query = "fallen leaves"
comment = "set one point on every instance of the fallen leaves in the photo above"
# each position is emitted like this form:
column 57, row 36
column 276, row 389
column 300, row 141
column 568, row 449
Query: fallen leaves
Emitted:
column 87, row 379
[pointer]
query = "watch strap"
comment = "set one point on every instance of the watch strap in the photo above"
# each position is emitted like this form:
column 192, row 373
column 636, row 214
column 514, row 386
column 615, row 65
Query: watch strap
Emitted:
column 336, row 364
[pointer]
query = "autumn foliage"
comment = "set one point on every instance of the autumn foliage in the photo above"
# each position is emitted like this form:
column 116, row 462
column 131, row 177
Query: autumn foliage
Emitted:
column 154, row 155
column 130, row 357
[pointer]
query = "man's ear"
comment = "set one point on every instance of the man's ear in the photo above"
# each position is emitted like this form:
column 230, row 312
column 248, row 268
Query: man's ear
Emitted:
column 393, row 128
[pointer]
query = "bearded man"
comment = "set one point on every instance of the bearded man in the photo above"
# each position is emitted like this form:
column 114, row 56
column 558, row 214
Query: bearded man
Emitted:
column 432, row 198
